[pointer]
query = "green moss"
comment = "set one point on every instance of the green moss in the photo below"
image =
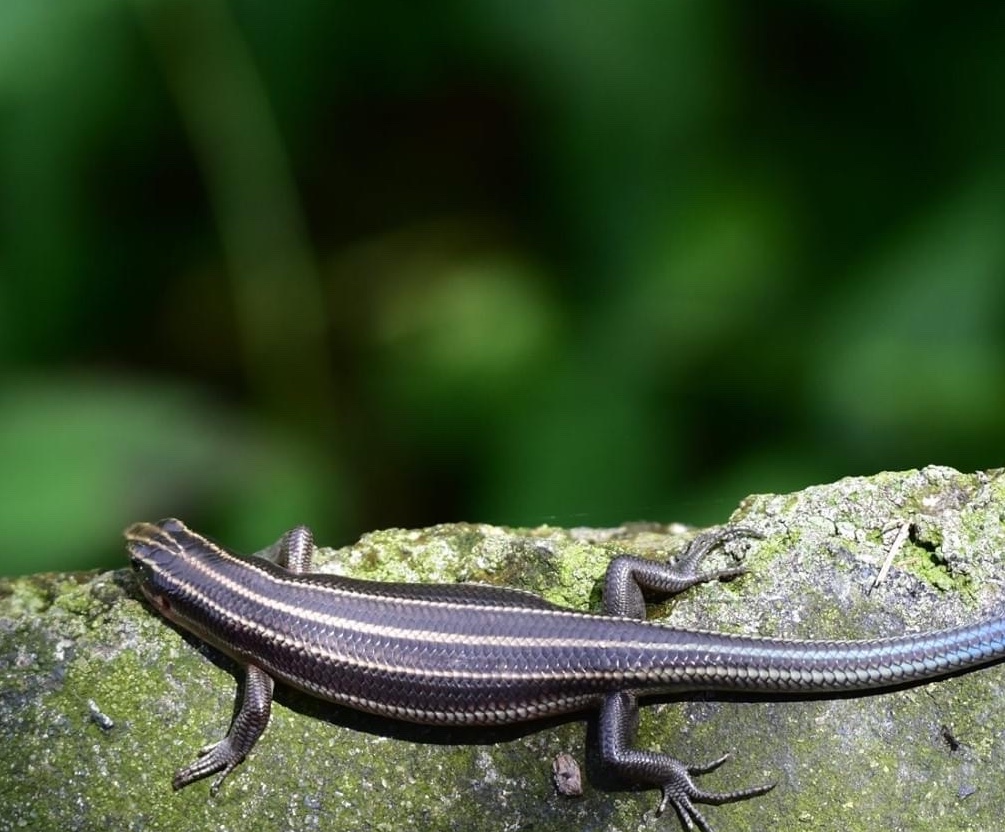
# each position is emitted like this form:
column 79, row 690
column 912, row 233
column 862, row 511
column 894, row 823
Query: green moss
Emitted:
column 927, row 565
column 34, row 594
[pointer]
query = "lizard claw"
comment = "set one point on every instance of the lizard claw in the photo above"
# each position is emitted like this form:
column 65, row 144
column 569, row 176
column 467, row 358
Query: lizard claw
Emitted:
column 681, row 792
column 216, row 757
column 686, row 566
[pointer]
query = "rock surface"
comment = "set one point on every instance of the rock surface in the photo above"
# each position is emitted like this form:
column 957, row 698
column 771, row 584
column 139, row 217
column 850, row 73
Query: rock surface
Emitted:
column 101, row 701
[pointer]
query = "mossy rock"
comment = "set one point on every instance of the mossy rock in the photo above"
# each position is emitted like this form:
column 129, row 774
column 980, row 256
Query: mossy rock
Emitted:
column 101, row 701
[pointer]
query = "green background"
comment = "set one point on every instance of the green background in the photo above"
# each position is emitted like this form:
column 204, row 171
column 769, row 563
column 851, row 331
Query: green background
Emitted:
column 396, row 263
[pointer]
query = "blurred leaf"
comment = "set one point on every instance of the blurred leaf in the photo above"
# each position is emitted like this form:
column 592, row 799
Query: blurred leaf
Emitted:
column 83, row 457
column 581, row 450
column 913, row 350
column 711, row 274
column 474, row 329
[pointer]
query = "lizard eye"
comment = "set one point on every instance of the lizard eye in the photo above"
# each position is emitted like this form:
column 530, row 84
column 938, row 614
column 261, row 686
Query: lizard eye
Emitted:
column 141, row 568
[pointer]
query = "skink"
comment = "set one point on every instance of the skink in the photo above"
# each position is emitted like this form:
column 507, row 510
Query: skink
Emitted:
column 470, row 655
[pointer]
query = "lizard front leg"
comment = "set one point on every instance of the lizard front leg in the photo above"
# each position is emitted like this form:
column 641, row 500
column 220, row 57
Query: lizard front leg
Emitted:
column 296, row 548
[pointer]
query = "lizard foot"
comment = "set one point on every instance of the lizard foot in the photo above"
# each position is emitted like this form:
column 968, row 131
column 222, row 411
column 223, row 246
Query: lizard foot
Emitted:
column 685, row 568
column 219, row 756
column 681, row 792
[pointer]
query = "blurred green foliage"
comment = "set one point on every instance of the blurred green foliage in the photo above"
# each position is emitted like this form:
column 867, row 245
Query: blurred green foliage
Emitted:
column 393, row 263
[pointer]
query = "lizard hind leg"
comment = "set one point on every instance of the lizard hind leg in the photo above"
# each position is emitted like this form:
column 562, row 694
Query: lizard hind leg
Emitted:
column 618, row 721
